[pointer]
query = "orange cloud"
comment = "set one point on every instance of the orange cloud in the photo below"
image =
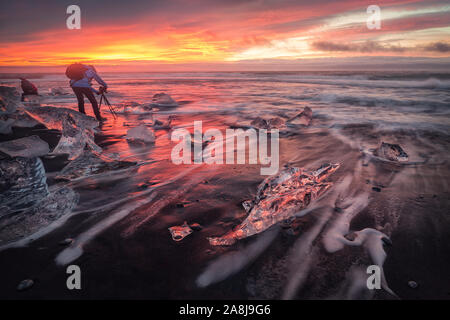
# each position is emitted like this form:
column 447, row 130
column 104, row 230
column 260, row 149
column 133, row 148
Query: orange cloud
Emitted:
column 244, row 31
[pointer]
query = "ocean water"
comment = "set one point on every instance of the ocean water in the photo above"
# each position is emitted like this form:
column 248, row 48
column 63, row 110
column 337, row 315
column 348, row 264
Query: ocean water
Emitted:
column 120, row 225
column 403, row 100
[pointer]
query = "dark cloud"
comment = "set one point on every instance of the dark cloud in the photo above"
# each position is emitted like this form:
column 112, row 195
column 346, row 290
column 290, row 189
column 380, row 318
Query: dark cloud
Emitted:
column 366, row 47
column 371, row 46
column 20, row 19
column 331, row 46
column 438, row 47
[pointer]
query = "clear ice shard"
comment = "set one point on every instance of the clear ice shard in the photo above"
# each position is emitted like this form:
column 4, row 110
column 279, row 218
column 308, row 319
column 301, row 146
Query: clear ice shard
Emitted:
column 27, row 204
column 27, row 147
column 279, row 198
column 391, row 152
column 180, row 232
column 89, row 163
column 140, row 134
column 22, row 184
column 59, row 202
column 75, row 137
column 163, row 100
column 77, row 128
column 10, row 98
column 53, row 117
column 158, row 124
column 303, row 118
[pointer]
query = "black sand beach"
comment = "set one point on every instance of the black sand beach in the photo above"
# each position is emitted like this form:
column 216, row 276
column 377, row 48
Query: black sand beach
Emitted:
column 134, row 256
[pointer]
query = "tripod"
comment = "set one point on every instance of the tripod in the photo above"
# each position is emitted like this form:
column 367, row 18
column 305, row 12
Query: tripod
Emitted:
column 103, row 97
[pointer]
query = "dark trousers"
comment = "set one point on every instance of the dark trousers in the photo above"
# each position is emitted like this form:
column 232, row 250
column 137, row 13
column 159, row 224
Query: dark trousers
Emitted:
column 80, row 92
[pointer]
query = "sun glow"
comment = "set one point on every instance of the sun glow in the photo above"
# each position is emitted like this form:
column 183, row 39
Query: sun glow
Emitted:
column 207, row 36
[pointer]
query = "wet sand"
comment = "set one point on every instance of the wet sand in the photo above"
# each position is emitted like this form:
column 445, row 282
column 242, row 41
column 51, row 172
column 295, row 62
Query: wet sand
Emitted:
column 123, row 217
column 412, row 208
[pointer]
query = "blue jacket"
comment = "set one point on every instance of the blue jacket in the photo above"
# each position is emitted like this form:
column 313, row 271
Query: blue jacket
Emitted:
column 86, row 81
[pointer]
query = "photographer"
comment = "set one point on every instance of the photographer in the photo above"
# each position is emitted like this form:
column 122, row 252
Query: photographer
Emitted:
column 80, row 76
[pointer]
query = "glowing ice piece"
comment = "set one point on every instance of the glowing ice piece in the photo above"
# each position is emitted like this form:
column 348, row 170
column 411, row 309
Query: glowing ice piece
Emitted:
column 88, row 164
column 75, row 137
column 279, row 198
column 53, row 117
column 180, row 232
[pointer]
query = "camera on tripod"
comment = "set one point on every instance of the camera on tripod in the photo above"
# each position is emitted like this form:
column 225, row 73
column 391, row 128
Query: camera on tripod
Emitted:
column 102, row 90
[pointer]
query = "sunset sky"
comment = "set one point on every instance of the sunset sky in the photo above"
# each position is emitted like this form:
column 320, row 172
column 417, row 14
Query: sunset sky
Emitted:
column 232, row 33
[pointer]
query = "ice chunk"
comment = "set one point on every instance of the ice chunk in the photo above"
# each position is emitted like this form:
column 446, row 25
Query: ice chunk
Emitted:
column 27, row 147
column 196, row 226
column 163, row 100
column 88, row 164
column 272, row 123
column 157, row 124
column 53, row 118
column 22, row 184
column 180, row 232
column 75, row 138
column 59, row 202
column 248, row 205
column 259, row 122
column 140, row 134
column 275, row 123
column 27, row 205
column 25, row 284
column 303, row 118
column 279, row 198
column 21, row 119
column 10, row 98
column 15, row 119
column 9, row 93
column 57, row 91
column 391, row 152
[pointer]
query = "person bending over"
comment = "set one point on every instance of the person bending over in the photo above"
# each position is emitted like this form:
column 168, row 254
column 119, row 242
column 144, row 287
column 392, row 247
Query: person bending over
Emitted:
column 80, row 80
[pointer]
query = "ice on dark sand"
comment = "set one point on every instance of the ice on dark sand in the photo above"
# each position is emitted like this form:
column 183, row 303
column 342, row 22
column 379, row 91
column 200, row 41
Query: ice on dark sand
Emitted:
column 391, row 152
column 27, row 203
column 90, row 163
column 140, row 134
column 279, row 198
column 303, row 233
